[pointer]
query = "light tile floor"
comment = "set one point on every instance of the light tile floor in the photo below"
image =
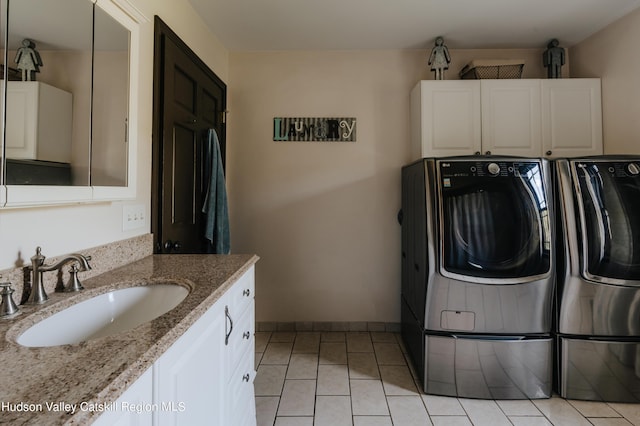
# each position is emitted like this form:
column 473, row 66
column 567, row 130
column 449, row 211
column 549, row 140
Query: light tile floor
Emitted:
column 363, row 379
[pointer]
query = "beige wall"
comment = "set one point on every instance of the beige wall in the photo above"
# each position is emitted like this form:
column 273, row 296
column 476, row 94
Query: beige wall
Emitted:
column 322, row 216
column 612, row 54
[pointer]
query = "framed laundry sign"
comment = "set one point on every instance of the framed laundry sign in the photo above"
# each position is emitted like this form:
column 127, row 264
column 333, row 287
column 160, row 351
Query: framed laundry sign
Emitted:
column 314, row 129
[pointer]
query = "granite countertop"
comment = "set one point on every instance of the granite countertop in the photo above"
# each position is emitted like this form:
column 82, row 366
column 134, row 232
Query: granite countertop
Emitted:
column 98, row 371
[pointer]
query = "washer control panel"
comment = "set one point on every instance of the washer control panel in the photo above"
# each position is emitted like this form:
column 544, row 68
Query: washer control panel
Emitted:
column 450, row 169
column 616, row 169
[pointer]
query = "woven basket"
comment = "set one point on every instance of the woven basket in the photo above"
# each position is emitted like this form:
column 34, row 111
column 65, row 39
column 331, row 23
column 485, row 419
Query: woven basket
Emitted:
column 492, row 69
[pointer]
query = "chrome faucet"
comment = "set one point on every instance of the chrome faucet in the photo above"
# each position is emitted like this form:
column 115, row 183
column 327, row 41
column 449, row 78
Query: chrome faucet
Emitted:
column 34, row 272
column 8, row 308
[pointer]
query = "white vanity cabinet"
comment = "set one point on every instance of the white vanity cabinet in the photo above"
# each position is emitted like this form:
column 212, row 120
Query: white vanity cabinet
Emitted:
column 189, row 376
column 529, row 117
column 206, row 376
column 128, row 410
column 38, row 122
column 239, row 353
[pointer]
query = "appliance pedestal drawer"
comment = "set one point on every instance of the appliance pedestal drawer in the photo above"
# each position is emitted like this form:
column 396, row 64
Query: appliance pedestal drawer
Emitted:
column 599, row 370
column 488, row 367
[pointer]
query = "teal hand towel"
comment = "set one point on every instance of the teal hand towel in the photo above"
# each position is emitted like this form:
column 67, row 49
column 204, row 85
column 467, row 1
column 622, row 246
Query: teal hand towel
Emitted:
column 215, row 203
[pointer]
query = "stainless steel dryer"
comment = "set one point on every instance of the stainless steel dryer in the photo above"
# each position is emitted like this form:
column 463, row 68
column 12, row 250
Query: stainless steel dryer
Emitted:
column 478, row 275
column 598, row 315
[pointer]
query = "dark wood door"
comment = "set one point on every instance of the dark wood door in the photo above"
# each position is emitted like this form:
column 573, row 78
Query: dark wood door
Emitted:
column 188, row 101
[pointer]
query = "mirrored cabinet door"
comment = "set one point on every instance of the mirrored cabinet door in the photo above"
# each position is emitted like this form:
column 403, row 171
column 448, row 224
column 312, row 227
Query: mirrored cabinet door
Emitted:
column 48, row 92
column 109, row 137
column 67, row 109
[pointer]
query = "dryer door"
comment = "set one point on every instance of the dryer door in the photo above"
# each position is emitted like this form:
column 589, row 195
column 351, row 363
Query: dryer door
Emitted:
column 608, row 195
column 494, row 221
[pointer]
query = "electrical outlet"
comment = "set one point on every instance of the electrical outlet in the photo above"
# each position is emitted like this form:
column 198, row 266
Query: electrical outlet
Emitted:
column 133, row 216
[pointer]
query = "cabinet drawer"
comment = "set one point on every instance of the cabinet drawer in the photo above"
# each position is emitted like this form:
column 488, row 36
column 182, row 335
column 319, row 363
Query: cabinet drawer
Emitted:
column 241, row 294
column 240, row 338
column 242, row 407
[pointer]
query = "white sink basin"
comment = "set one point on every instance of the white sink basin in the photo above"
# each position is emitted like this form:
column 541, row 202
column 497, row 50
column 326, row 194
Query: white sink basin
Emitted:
column 105, row 314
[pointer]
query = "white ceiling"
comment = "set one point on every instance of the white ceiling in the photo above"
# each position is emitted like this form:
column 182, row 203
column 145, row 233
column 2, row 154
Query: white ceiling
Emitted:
column 243, row 25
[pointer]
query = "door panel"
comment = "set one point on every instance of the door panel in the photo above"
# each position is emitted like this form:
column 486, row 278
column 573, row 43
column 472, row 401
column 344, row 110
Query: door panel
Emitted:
column 181, row 189
column 184, row 90
column 188, row 101
column 184, row 175
column 210, row 107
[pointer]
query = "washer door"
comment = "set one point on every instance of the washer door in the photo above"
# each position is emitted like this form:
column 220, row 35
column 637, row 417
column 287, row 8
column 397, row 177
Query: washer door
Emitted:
column 609, row 206
column 496, row 227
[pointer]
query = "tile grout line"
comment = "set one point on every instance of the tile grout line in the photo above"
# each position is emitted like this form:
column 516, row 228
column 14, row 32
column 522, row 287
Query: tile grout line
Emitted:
column 284, row 381
column 315, row 396
column 384, row 390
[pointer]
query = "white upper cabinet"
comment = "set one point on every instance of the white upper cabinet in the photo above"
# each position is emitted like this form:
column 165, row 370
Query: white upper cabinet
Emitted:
column 511, row 117
column 445, row 118
column 529, row 118
column 572, row 117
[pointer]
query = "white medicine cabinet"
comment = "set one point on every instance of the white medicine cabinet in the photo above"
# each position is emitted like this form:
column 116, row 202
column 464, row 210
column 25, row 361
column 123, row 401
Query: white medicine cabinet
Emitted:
column 70, row 130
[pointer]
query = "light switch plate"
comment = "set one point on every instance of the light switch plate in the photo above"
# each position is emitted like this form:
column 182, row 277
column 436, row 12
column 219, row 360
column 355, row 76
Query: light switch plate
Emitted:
column 133, row 216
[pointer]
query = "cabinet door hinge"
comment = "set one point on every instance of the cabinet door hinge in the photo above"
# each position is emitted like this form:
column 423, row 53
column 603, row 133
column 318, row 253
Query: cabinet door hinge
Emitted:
column 224, row 116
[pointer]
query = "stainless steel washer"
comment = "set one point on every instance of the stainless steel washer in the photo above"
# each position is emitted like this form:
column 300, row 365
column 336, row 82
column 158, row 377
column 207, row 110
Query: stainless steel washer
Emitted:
column 598, row 315
column 478, row 275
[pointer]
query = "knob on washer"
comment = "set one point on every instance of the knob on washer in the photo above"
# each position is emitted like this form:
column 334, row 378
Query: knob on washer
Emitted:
column 493, row 169
column 633, row 169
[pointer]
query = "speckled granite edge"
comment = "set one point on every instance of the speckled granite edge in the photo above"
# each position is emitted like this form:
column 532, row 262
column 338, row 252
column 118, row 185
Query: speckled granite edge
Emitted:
column 103, row 258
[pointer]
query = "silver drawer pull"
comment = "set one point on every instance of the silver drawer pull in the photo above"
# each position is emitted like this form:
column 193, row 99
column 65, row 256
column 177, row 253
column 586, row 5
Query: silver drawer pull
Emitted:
column 228, row 317
column 246, row 292
column 246, row 335
column 246, row 378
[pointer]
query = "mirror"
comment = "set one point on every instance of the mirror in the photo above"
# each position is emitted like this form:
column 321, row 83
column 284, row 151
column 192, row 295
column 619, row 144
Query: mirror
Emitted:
column 109, row 145
column 48, row 117
column 69, row 127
